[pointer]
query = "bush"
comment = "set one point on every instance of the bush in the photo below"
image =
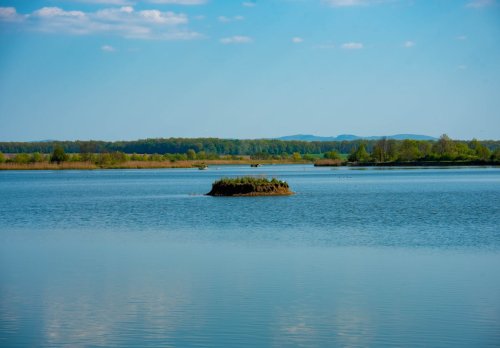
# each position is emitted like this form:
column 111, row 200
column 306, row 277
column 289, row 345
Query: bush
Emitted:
column 22, row 158
column 58, row 155
column 332, row 155
column 308, row 157
column 37, row 157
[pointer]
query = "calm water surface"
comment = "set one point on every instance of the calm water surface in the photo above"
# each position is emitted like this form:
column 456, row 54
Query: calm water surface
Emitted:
column 399, row 257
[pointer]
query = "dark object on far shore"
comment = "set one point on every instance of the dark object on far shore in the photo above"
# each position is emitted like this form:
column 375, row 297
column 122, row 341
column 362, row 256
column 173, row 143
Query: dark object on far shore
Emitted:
column 249, row 186
column 201, row 166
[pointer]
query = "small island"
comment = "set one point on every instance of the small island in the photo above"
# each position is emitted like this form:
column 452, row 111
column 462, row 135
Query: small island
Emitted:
column 249, row 186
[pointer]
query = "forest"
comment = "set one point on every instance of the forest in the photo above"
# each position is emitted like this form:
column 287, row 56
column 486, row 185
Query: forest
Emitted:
column 211, row 146
column 383, row 150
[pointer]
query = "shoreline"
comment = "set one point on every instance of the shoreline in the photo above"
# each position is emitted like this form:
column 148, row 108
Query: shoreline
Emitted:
column 140, row 164
column 197, row 163
column 476, row 163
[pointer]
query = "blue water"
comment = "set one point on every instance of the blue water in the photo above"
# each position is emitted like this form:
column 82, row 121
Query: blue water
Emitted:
column 375, row 257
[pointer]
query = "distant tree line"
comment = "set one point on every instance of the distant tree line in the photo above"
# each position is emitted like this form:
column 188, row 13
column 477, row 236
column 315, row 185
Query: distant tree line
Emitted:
column 444, row 149
column 260, row 148
column 380, row 151
column 58, row 155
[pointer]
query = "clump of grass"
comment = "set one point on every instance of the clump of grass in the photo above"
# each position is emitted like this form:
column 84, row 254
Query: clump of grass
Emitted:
column 249, row 186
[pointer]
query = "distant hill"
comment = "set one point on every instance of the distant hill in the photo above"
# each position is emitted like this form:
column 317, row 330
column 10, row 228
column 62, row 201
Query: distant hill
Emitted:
column 350, row 137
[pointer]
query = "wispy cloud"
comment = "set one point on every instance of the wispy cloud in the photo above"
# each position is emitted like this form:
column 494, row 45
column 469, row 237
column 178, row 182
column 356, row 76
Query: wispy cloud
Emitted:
column 350, row 3
column 462, row 67
column 297, row 40
column 179, row 2
column 121, row 21
column 107, row 48
column 236, row 40
column 409, row 44
column 461, row 37
column 225, row 19
column 105, row 2
column 248, row 4
column 480, row 3
column 132, row 2
column 352, row 46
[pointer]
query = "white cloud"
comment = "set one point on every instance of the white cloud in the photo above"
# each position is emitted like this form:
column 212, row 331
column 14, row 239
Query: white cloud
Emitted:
column 350, row 3
column 107, row 48
column 169, row 18
column 297, row 40
column 236, row 40
column 480, row 3
column 57, row 12
column 105, row 2
column 461, row 37
column 122, row 21
column 409, row 44
column 179, row 2
column 131, row 2
column 9, row 14
column 225, row 19
column 352, row 46
column 248, row 4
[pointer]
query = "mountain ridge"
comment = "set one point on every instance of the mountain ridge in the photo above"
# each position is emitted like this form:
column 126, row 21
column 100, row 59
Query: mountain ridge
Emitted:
column 350, row 137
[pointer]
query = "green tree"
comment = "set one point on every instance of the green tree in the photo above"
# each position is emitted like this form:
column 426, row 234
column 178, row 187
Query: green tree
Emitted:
column 155, row 157
column 495, row 156
column 76, row 157
column 392, row 150
column 380, row 150
column 334, row 155
column 37, row 157
column 191, row 154
column 360, row 155
column 136, row 157
column 2, row 158
column 22, row 158
column 425, row 148
column 201, row 155
column 58, row 155
column 104, row 158
column 87, row 157
column 296, row 156
column 408, row 151
column 444, row 148
column 481, row 151
column 307, row 157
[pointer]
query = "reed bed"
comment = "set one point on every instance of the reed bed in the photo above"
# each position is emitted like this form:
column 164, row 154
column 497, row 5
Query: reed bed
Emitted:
column 136, row 164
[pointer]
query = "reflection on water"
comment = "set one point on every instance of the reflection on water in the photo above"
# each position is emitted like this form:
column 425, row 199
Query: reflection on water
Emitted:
column 130, row 258
column 217, row 295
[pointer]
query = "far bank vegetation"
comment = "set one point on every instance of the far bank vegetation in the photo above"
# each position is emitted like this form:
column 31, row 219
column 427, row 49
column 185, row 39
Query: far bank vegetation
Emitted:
column 94, row 155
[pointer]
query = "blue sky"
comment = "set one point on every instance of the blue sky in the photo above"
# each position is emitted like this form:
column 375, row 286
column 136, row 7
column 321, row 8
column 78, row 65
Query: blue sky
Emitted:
column 125, row 69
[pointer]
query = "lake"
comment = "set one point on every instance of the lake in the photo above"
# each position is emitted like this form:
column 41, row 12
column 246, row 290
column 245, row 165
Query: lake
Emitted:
column 357, row 257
